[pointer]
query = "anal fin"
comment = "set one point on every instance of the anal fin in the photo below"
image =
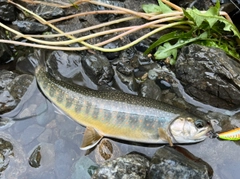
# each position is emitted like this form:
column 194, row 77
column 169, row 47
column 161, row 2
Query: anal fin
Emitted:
column 90, row 138
column 163, row 135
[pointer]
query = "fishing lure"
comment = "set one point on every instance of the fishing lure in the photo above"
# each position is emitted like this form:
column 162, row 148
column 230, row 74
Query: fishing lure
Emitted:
column 233, row 134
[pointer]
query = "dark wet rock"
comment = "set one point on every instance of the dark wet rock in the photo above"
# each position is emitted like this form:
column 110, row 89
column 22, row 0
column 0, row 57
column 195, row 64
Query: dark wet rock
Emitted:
column 27, row 64
column 141, row 46
column 209, row 76
column 169, row 163
column 49, row 12
column 125, row 83
column 142, row 60
column 128, row 55
column 152, row 74
column 7, row 11
column 6, row 78
column 132, row 165
column 6, row 150
column 63, row 64
column 12, row 88
column 19, row 86
column 98, row 68
column 163, row 84
column 149, row 89
column 124, row 68
column 112, row 55
column 107, row 17
column 5, row 53
column 199, row 4
column 199, row 161
column 35, row 158
column 30, row 27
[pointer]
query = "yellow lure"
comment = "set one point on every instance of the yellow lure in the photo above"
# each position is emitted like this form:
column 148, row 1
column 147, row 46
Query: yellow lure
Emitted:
column 233, row 134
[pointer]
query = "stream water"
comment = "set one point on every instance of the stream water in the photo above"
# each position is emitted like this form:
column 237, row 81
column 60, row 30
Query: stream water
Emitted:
column 60, row 137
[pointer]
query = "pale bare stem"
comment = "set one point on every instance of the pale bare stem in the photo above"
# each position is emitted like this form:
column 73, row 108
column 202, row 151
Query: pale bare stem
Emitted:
column 43, row 46
column 146, row 25
column 174, row 6
column 143, row 37
column 86, row 13
column 84, row 29
column 222, row 13
column 57, row 4
column 170, row 14
column 103, row 49
column 139, row 14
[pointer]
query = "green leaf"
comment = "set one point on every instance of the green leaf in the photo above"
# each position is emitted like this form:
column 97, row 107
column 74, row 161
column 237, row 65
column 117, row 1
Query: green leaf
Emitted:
column 151, row 8
column 168, row 50
column 168, row 37
column 223, row 45
column 212, row 17
column 164, row 7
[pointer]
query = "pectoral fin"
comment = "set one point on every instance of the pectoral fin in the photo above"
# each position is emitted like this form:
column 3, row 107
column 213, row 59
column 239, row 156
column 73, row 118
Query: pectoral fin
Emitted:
column 90, row 138
column 163, row 135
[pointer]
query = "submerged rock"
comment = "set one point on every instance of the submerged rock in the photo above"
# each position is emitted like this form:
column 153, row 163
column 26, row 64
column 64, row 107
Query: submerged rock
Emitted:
column 6, row 149
column 132, row 165
column 106, row 150
column 82, row 167
column 169, row 163
column 209, row 76
column 35, row 158
column 12, row 88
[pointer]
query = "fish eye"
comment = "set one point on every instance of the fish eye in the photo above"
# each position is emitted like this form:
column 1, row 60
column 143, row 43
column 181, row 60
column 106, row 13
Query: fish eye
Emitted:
column 200, row 123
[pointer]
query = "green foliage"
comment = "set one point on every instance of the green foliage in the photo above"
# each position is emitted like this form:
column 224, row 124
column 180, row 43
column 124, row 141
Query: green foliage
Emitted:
column 206, row 28
column 153, row 8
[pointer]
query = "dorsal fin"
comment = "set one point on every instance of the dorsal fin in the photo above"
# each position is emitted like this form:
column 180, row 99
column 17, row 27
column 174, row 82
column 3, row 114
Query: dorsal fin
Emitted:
column 90, row 138
column 163, row 135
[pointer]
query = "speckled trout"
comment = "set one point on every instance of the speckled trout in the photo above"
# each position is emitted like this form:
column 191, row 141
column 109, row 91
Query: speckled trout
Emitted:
column 118, row 115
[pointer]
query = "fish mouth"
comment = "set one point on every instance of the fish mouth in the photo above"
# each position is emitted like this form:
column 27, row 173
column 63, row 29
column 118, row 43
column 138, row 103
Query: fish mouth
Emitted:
column 204, row 133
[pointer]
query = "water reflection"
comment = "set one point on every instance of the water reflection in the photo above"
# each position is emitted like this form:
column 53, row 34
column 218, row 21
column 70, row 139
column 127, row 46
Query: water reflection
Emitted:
column 60, row 138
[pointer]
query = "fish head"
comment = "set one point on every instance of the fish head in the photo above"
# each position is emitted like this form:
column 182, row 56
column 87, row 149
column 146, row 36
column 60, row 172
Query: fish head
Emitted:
column 189, row 129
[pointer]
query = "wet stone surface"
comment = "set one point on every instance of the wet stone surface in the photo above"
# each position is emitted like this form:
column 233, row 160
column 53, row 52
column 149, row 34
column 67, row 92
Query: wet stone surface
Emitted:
column 169, row 163
column 98, row 68
column 7, row 11
column 6, row 150
column 30, row 27
column 12, row 88
column 129, row 166
column 35, row 157
column 209, row 75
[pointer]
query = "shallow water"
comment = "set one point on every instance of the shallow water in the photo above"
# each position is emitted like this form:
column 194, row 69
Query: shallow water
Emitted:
column 60, row 138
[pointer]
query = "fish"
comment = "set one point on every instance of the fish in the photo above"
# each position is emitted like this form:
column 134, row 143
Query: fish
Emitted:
column 114, row 114
column 233, row 134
